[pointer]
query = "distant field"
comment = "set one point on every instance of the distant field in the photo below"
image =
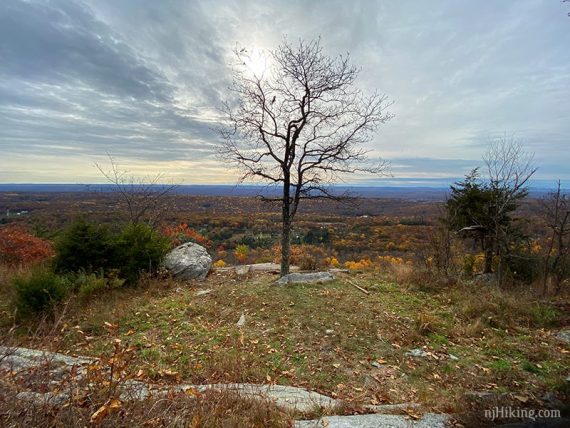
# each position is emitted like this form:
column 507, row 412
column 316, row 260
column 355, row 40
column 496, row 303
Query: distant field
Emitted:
column 352, row 230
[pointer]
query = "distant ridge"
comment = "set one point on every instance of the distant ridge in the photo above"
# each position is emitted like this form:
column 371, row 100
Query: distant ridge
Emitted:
column 402, row 192
column 428, row 193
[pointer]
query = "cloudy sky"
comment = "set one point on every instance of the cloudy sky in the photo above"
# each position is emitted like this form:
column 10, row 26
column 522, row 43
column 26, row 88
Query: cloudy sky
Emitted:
column 144, row 80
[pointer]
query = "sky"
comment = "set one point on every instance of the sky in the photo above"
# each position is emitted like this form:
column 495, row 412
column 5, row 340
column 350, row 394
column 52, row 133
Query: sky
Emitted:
column 144, row 81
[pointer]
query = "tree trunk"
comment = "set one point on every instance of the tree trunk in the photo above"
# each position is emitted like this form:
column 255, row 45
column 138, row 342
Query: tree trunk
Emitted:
column 488, row 256
column 546, row 269
column 285, row 244
column 286, row 229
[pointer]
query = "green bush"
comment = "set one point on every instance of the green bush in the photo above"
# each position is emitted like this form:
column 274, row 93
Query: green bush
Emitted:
column 90, row 284
column 524, row 267
column 85, row 247
column 92, row 249
column 140, row 249
column 468, row 265
column 39, row 292
column 544, row 316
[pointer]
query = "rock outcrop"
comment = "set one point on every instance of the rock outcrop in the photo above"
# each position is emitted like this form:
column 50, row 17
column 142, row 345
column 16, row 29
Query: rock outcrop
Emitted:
column 22, row 361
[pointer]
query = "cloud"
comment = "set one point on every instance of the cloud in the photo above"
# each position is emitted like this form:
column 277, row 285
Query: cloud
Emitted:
column 143, row 80
column 59, row 40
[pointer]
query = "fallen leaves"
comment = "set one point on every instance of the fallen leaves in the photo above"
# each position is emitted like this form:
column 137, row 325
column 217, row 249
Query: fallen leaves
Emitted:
column 377, row 379
column 111, row 406
column 170, row 374
column 192, row 392
column 412, row 415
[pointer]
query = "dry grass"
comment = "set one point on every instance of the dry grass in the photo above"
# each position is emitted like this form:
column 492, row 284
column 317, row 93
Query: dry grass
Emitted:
column 209, row 410
column 7, row 274
column 502, row 338
column 505, row 309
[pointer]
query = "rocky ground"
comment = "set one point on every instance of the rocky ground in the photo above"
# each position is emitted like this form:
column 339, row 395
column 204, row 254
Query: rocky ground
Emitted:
column 25, row 363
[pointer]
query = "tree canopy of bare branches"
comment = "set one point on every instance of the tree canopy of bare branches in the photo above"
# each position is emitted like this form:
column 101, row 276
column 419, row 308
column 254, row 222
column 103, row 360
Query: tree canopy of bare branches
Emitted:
column 146, row 199
column 300, row 124
column 509, row 169
column 556, row 210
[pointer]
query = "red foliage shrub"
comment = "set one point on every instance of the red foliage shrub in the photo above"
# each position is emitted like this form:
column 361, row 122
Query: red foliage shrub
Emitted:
column 17, row 246
column 182, row 233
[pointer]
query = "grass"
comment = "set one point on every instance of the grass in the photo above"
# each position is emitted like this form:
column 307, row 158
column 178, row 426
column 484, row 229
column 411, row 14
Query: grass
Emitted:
column 325, row 337
column 8, row 292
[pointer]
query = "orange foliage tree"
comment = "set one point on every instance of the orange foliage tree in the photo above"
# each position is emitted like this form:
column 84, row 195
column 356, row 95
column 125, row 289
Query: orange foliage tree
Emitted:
column 182, row 233
column 307, row 257
column 241, row 253
column 17, row 246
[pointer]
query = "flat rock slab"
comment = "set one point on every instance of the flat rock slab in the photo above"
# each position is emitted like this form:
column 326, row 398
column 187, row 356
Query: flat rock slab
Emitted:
column 429, row 420
column 339, row 270
column 540, row 423
column 17, row 359
column 288, row 397
column 306, row 278
column 22, row 359
column 242, row 270
column 48, row 398
column 563, row 336
column 416, row 353
column 256, row 267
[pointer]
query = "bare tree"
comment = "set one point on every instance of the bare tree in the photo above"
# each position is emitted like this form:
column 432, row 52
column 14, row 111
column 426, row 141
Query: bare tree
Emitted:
column 556, row 209
column 509, row 169
column 299, row 124
column 438, row 249
column 146, row 198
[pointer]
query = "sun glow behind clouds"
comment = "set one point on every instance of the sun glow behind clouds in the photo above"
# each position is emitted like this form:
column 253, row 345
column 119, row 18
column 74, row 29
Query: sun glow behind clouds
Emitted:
column 256, row 61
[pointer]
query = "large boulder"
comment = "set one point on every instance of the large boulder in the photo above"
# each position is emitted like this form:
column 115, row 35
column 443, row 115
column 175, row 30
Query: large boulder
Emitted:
column 188, row 261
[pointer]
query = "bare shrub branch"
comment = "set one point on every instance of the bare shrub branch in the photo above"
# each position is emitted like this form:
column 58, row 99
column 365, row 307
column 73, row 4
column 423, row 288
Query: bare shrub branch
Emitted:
column 147, row 199
column 556, row 211
column 509, row 169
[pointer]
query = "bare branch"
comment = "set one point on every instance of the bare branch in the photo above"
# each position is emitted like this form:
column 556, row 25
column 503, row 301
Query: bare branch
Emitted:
column 146, row 198
column 509, row 170
column 300, row 122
